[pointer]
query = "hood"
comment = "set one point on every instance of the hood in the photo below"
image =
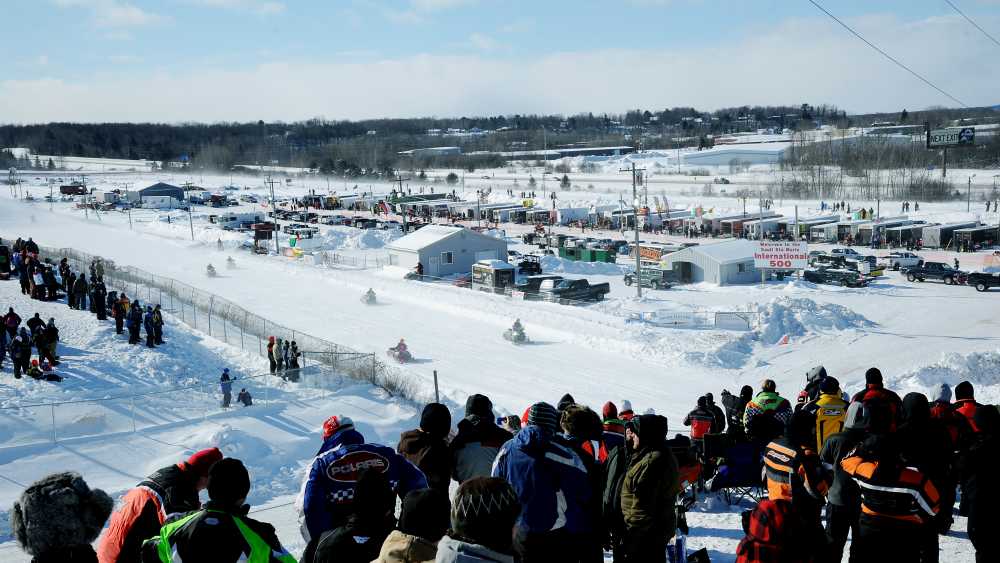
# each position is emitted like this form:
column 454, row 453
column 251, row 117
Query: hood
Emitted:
column 916, row 409
column 405, row 548
column 564, row 402
column 651, row 428
column 533, row 440
column 450, row 550
column 413, row 441
column 346, row 437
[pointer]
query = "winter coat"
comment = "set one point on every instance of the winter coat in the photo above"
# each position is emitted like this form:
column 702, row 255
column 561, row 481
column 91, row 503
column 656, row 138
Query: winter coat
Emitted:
column 924, row 442
column 829, row 410
column 958, row 427
column 773, row 535
column 354, row 542
column 431, row 455
column 118, row 310
column 765, row 416
column 876, row 392
column 720, row 418
column 701, row 420
column 892, row 497
column 795, row 474
column 843, row 490
column 33, row 324
column 11, row 320
column 550, row 481
column 404, row 548
column 215, row 534
column 450, row 550
column 967, row 408
column 226, row 386
column 134, row 317
column 157, row 318
column 20, row 348
column 475, row 447
column 327, row 494
column 80, row 287
column 51, row 333
column 143, row 511
column 649, row 493
column 977, row 471
column 147, row 322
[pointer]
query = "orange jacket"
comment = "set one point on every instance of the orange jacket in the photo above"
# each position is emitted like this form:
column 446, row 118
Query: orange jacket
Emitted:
column 140, row 518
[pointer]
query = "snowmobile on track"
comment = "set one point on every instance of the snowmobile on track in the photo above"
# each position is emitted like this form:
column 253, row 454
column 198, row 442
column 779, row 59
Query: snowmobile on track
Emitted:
column 400, row 352
column 210, row 271
column 515, row 334
column 230, row 263
column 368, row 298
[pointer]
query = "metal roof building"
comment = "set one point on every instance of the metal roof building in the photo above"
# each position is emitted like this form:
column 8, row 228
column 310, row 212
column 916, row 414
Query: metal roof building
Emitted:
column 725, row 263
column 445, row 250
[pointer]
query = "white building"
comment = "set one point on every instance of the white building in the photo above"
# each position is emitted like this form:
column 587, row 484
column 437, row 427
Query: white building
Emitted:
column 445, row 250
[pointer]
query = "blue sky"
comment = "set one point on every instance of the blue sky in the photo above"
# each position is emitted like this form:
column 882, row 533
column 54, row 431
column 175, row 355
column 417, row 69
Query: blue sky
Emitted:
column 210, row 60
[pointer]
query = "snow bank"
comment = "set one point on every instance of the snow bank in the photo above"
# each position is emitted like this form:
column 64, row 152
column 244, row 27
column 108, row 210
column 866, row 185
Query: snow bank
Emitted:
column 556, row 265
column 798, row 317
column 982, row 369
column 349, row 238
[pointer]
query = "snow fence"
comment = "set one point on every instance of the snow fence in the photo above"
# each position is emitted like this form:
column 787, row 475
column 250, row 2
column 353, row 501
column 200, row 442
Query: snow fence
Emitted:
column 222, row 319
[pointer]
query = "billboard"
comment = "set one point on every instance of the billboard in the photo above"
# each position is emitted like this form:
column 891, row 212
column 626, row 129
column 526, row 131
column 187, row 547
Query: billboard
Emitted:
column 781, row 255
column 951, row 137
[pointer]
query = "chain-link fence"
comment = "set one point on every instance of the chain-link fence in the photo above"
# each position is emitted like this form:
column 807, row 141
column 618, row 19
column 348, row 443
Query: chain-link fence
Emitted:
column 335, row 260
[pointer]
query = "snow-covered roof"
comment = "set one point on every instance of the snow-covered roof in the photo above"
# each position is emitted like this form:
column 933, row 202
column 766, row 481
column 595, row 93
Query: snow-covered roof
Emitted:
column 432, row 234
column 726, row 252
column 496, row 264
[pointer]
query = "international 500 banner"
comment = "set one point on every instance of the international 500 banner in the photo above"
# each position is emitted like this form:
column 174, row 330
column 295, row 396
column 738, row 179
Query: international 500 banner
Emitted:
column 781, row 255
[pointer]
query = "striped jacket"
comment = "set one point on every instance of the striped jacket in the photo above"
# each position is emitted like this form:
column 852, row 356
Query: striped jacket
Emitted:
column 906, row 495
column 794, row 473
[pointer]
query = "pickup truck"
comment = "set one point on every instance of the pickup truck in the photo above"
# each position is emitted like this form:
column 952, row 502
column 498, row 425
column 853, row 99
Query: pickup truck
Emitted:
column 982, row 281
column 530, row 286
column 898, row 260
column 935, row 271
column 567, row 291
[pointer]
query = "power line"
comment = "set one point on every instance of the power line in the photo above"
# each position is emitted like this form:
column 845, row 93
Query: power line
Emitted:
column 974, row 24
column 887, row 55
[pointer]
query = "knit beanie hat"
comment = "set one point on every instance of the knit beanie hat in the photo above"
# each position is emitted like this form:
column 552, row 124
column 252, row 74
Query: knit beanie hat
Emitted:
column 609, row 411
column 59, row 511
column 335, row 424
column 201, row 462
column 479, row 405
column 626, row 406
column 829, row 385
column 228, row 482
column 873, row 375
column 964, row 391
column 564, row 402
column 768, row 385
column 943, row 393
column 544, row 416
column 425, row 514
column 436, row 420
column 484, row 512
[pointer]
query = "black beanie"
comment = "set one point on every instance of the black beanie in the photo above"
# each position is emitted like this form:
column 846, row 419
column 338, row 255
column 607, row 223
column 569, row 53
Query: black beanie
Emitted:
column 479, row 405
column 964, row 391
column 228, row 481
column 873, row 375
column 436, row 420
column 425, row 514
column 564, row 402
column 829, row 385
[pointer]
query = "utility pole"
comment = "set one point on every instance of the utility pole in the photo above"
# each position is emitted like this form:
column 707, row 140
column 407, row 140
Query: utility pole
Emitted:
column 274, row 210
column 400, row 180
column 190, row 221
column 635, row 207
column 968, row 195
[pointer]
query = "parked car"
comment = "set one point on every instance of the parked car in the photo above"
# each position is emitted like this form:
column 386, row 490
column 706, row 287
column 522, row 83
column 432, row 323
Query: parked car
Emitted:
column 529, row 265
column 835, row 276
column 899, row 260
column 654, row 278
column 566, row 291
column 982, row 281
column 935, row 271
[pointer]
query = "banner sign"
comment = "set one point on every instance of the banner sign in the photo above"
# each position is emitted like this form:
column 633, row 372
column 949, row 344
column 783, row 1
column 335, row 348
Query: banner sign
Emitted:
column 781, row 255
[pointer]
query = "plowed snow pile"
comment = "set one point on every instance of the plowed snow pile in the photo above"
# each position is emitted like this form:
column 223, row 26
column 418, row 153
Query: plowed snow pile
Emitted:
column 982, row 369
column 798, row 317
column 349, row 238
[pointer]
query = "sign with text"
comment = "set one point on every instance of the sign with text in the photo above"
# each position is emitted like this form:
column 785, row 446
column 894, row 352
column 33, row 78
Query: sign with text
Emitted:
column 951, row 137
column 781, row 255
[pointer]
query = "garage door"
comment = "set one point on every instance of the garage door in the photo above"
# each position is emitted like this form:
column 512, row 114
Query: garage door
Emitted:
column 486, row 255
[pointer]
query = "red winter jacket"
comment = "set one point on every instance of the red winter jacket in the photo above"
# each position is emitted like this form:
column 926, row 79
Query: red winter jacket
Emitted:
column 876, row 392
column 771, row 535
column 967, row 408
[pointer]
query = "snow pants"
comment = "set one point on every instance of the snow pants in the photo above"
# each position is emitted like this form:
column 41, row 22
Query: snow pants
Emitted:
column 158, row 334
column 119, row 325
column 840, row 520
column 226, row 399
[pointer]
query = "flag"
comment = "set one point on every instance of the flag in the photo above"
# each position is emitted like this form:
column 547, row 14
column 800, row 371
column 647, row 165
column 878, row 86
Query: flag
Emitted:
column 783, row 341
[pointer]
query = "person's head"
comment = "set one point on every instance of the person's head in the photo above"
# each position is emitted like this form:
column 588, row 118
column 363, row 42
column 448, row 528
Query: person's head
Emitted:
column 436, row 420
column 709, row 399
column 484, row 512
column 702, row 402
column 59, row 511
column 581, row 422
column 829, row 386
column 544, row 416
column 768, row 386
column 873, row 377
column 200, row 463
column 336, row 423
column 479, row 406
column 609, row 411
column 426, row 513
column 816, row 374
column 746, row 393
column 626, row 406
column 800, row 428
column 269, row 338
column 38, row 316
column 565, row 401
column 228, row 483
column 645, row 431
column 374, row 500
column 943, row 393
column 964, row 391
column 916, row 408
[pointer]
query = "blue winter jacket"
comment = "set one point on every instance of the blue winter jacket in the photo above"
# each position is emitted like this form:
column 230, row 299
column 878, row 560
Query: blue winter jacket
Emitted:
column 328, row 491
column 550, row 481
column 226, row 386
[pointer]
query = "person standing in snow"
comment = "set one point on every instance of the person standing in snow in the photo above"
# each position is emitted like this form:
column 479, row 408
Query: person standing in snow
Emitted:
column 80, row 289
column 70, row 290
column 271, row 354
column 226, row 387
column 285, row 353
column 147, row 324
column 119, row 310
column 157, row 325
column 11, row 321
column 278, row 357
column 134, row 322
column 20, row 352
column 52, row 337
column 293, row 356
column 99, row 296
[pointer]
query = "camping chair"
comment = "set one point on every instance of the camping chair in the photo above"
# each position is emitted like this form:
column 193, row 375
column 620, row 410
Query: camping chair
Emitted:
column 689, row 468
column 739, row 477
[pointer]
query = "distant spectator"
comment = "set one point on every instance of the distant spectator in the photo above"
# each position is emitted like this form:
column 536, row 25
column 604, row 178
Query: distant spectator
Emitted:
column 244, row 397
column 56, row 519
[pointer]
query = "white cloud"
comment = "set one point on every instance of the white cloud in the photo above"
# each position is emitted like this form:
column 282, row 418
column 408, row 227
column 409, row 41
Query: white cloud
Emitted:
column 797, row 61
column 418, row 10
column 482, row 42
column 259, row 7
column 42, row 60
column 114, row 13
column 434, row 5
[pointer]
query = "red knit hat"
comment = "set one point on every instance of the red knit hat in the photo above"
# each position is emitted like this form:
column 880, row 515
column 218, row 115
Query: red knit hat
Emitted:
column 202, row 461
column 609, row 411
column 335, row 424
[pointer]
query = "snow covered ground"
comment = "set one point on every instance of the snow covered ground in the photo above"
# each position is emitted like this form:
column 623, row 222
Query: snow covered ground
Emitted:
column 918, row 334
